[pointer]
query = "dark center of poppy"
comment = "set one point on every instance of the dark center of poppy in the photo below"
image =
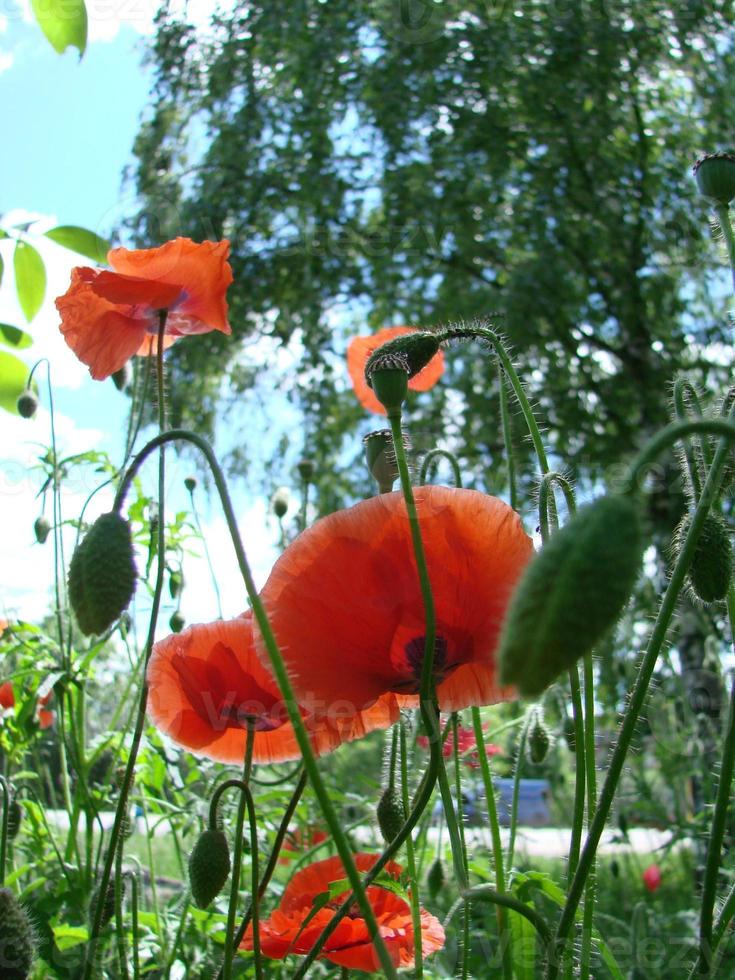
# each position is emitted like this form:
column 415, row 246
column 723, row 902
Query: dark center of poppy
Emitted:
column 414, row 661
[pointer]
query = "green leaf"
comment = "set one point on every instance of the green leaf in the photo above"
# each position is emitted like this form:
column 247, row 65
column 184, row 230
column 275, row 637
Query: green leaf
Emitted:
column 2, row 268
column 13, row 378
column 67, row 937
column 30, row 278
column 14, row 337
column 523, row 948
column 80, row 240
column 64, row 22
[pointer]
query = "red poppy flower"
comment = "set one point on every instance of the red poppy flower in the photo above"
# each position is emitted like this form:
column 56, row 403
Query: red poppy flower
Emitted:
column 360, row 349
column 207, row 682
column 346, row 607
column 7, row 696
column 44, row 716
column 652, row 877
column 301, row 840
column 466, row 741
column 287, row 931
column 107, row 317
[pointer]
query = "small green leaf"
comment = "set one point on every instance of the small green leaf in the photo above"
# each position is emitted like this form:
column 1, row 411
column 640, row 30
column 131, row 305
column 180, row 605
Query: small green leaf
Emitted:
column 64, row 22
column 523, row 946
column 30, row 278
column 80, row 240
column 2, row 268
column 13, row 377
column 14, row 337
column 67, row 937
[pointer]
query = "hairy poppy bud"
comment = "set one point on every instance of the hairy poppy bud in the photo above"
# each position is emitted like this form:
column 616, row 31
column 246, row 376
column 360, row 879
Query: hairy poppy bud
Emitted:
column 15, row 817
column 415, row 349
column 279, row 502
column 387, row 375
column 190, row 483
column 391, row 814
column 306, row 469
column 17, row 943
column 102, row 574
column 42, row 529
column 175, row 582
column 381, row 458
column 435, row 878
column 570, row 594
column 27, row 404
column 177, row 622
column 121, row 378
column 539, row 740
column 108, row 902
column 209, row 867
column 711, row 567
column 715, row 176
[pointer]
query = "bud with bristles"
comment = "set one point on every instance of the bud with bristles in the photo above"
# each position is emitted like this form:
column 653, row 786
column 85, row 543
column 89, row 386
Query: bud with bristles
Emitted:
column 27, row 404
column 17, row 943
column 15, row 818
column 539, row 740
column 715, row 176
column 381, row 458
column 435, row 878
column 570, row 594
column 102, row 574
column 209, row 867
column 387, row 375
column 42, row 529
column 391, row 814
column 415, row 349
column 711, row 567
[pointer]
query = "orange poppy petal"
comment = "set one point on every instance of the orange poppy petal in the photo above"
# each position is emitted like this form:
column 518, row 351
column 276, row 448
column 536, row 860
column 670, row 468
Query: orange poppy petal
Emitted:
column 201, row 269
column 132, row 290
column 102, row 335
column 345, row 603
column 149, row 347
column 359, row 350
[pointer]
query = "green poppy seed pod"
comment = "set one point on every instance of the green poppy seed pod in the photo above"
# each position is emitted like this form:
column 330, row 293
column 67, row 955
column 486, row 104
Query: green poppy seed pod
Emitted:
column 391, row 814
column 17, row 941
column 177, row 622
column 306, row 469
column 570, row 594
column 539, row 740
column 121, row 378
column 435, row 878
column 279, row 503
column 108, row 902
column 27, row 404
column 175, row 582
column 381, row 458
column 715, row 176
column 415, row 349
column 15, row 818
column 102, row 574
column 42, row 529
column 209, row 867
column 190, row 483
column 711, row 567
column 388, row 378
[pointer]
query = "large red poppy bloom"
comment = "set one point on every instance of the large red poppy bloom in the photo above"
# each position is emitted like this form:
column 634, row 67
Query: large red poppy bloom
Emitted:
column 346, row 607
column 360, row 349
column 107, row 317
column 206, row 685
column 349, row 945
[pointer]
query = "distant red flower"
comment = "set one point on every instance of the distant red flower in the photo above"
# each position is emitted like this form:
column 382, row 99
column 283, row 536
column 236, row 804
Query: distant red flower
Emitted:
column 7, row 696
column 652, row 877
column 345, row 603
column 45, row 717
column 107, row 317
column 360, row 349
column 301, row 840
column 466, row 741
column 349, row 945
column 206, row 682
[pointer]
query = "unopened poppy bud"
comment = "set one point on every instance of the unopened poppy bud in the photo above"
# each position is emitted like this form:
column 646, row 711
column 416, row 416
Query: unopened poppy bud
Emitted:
column 209, row 867
column 108, row 902
column 175, row 582
column 121, row 378
column 391, row 814
column 42, row 529
column 279, row 502
column 571, row 593
column 381, row 458
column 539, row 740
column 177, row 622
column 27, row 404
column 102, row 574
column 416, row 349
column 15, row 818
column 190, row 483
column 435, row 878
column 715, row 176
column 17, row 942
column 388, row 377
column 306, row 469
column 711, row 567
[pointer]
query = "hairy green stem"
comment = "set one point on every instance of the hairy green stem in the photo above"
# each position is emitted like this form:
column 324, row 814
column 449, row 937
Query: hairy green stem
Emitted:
column 411, row 864
column 430, row 459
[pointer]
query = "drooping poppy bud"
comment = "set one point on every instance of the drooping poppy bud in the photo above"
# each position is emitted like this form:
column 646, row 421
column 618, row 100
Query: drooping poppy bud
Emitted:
column 415, row 349
column 175, row 582
column 711, row 567
column 715, row 176
column 209, row 867
column 102, row 574
column 17, row 945
column 570, row 594
column 42, row 529
column 27, row 404
column 539, row 740
column 391, row 814
column 435, row 878
column 177, row 622
column 190, row 483
column 306, row 469
column 652, row 877
column 15, row 818
column 280, row 502
column 381, row 458
column 387, row 374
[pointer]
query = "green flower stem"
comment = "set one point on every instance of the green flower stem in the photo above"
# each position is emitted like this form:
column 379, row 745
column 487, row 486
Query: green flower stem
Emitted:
column 515, row 795
column 430, row 459
column 658, row 634
column 507, row 901
column 122, row 803
column 591, row 779
column 685, row 394
column 418, row 950
column 122, row 953
column 133, row 875
column 507, row 437
column 458, row 794
column 723, row 219
column 279, row 670
column 492, row 813
column 724, row 918
column 579, row 773
column 703, row 966
column 4, row 827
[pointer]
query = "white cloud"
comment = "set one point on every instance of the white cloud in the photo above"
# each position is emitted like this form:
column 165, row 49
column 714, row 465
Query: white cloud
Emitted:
column 6, row 61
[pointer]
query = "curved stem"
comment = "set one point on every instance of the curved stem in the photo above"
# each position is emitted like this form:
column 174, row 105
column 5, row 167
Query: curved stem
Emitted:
column 418, row 950
column 509, row 902
column 431, row 457
column 507, row 437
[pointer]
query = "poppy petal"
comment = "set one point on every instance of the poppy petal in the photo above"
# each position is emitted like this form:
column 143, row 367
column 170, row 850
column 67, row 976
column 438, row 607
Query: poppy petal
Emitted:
column 360, row 349
column 128, row 289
